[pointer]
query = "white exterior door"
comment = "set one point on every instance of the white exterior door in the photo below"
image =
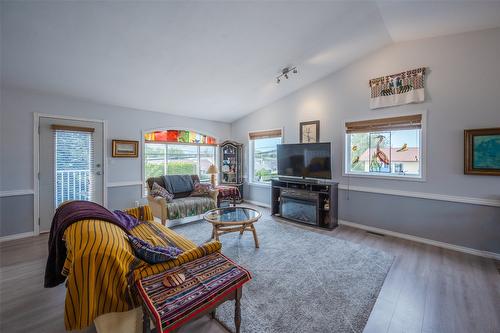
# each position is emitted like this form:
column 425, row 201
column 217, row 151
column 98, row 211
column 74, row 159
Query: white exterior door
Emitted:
column 70, row 164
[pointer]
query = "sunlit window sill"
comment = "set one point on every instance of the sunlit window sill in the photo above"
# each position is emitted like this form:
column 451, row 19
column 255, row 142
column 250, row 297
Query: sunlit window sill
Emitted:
column 387, row 176
column 256, row 184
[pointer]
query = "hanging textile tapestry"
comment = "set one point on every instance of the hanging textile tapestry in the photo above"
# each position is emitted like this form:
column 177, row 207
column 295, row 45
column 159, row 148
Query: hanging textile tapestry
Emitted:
column 396, row 89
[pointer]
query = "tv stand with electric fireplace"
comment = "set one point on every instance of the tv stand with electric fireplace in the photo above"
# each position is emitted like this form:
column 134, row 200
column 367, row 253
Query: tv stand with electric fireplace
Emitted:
column 313, row 202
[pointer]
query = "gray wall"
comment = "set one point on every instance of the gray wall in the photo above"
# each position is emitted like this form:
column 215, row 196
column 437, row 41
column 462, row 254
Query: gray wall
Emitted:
column 462, row 91
column 16, row 145
column 473, row 226
column 16, row 214
column 124, row 196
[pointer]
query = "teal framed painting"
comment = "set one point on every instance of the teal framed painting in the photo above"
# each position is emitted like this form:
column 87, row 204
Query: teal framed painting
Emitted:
column 482, row 151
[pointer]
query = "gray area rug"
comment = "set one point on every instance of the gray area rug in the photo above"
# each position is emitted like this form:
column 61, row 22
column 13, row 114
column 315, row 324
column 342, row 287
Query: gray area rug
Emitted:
column 303, row 281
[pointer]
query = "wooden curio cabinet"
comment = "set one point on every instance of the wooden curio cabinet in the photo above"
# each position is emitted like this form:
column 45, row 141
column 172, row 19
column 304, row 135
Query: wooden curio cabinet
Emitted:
column 231, row 164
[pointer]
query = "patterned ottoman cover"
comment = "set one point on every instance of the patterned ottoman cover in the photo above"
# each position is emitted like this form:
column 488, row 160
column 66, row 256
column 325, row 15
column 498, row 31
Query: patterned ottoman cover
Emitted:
column 208, row 280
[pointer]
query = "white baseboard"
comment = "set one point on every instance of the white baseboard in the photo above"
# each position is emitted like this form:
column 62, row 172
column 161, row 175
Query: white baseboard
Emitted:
column 463, row 249
column 16, row 236
column 258, row 203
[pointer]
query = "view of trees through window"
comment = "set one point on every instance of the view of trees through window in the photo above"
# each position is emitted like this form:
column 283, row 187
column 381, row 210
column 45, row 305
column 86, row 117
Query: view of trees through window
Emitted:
column 386, row 152
column 178, row 159
column 265, row 164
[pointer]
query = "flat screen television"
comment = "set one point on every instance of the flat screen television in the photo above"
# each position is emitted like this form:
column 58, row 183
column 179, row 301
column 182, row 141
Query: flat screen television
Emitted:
column 307, row 160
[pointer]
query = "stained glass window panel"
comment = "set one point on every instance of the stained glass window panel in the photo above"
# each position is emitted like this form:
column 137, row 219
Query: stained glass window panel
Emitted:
column 180, row 136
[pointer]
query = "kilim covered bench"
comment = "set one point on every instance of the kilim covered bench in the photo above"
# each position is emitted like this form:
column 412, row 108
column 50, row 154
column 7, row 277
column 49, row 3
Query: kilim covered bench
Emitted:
column 209, row 282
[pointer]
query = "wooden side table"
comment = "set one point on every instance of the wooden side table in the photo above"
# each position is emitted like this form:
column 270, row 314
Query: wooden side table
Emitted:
column 172, row 307
column 210, row 310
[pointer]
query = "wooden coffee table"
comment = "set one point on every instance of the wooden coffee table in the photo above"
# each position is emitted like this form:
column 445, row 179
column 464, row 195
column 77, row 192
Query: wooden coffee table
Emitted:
column 233, row 219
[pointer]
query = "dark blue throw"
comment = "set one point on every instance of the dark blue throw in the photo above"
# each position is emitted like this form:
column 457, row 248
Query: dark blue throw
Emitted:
column 178, row 183
column 127, row 221
column 152, row 254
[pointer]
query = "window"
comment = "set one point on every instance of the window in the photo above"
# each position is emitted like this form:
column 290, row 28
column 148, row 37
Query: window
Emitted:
column 263, row 147
column 73, row 157
column 385, row 147
column 178, row 153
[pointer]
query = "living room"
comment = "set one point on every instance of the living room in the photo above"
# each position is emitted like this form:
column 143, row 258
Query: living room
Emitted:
column 363, row 136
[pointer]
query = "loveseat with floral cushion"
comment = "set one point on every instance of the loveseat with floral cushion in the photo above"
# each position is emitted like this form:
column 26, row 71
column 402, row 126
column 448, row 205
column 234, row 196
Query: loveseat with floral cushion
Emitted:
column 183, row 204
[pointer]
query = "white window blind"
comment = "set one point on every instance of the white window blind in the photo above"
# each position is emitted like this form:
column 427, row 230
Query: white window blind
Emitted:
column 267, row 134
column 73, row 163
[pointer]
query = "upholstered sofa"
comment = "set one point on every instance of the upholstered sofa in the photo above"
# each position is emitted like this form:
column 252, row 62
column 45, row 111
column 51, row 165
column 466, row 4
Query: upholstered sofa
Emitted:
column 183, row 204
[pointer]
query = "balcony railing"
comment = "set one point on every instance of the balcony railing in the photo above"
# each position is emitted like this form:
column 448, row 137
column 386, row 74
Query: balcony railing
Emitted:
column 73, row 185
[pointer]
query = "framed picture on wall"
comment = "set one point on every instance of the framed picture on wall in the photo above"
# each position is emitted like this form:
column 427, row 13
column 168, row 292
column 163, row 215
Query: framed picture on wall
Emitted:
column 482, row 151
column 125, row 148
column 309, row 131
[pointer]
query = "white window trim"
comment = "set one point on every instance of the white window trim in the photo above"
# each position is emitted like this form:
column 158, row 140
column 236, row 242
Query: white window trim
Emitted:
column 376, row 175
column 143, row 146
column 166, row 144
column 251, row 182
column 259, row 184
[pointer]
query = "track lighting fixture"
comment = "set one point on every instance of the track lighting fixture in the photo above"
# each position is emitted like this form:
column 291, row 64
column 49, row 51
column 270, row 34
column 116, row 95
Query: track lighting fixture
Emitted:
column 284, row 73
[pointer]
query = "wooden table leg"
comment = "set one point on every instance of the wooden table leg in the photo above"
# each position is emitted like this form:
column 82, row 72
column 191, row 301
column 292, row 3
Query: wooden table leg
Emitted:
column 255, row 235
column 216, row 231
column 146, row 325
column 237, row 311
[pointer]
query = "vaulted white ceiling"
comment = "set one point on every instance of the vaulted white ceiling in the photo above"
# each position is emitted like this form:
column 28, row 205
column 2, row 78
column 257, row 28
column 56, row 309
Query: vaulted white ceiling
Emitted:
column 210, row 60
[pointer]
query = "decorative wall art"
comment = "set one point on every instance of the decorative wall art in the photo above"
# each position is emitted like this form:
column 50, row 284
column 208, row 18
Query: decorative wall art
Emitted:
column 125, row 148
column 396, row 89
column 309, row 131
column 482, row 151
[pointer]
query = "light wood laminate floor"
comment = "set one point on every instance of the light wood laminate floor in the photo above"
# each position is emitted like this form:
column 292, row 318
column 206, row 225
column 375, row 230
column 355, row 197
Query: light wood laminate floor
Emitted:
column 428, row 289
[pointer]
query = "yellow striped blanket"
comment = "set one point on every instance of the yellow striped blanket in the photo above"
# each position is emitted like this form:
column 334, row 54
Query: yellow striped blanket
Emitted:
column 100, row 265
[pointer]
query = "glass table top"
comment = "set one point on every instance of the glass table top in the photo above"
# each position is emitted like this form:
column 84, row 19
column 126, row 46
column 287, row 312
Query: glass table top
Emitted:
column 232, row 214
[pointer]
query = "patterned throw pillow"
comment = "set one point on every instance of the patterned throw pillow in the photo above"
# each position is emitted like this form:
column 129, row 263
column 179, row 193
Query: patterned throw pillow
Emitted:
column 152, row 254
column 201, row 189
column 158, row 191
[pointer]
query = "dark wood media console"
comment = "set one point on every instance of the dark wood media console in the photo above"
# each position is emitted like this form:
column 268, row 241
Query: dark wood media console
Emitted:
column 310, row 202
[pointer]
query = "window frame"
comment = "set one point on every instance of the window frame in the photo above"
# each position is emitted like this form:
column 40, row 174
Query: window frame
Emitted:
column 251, row 164
column 375, row 175
column 143, row 151
column 198, row 153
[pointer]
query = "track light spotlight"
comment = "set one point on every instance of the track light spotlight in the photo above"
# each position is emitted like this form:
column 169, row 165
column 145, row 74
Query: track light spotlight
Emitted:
column 284, row 73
